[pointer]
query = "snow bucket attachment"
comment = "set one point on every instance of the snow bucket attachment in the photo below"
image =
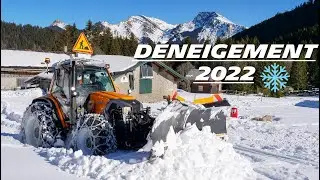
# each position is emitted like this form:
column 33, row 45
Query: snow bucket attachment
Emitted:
column 181, row 113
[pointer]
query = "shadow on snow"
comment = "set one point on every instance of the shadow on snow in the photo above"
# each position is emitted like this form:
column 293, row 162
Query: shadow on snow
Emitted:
column 308, row 103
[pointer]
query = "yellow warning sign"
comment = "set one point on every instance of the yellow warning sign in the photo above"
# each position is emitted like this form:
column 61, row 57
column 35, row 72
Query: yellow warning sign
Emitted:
column 82, row 45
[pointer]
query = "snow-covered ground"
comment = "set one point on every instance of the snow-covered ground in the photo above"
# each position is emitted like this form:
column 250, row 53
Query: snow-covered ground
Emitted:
column 286, row 148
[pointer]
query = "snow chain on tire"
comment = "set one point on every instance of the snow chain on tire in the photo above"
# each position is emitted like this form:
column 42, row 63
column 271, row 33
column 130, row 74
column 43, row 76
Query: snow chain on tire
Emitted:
column 38, row 127
column 94, row 135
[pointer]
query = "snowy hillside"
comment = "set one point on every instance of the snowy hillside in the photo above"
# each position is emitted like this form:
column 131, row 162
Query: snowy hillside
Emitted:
column 285, row 148
column 206, row 25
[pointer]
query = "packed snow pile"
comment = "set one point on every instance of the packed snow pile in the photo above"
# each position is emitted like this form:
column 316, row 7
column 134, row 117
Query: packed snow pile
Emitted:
column 179, row 115
column 191, row 154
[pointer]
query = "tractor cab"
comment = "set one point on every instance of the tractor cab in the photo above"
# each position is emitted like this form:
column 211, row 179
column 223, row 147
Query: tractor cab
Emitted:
column 75, row 79
column 85, row 77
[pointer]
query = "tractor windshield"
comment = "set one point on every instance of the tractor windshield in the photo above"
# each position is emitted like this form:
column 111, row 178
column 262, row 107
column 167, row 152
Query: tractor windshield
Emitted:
column 94, row 79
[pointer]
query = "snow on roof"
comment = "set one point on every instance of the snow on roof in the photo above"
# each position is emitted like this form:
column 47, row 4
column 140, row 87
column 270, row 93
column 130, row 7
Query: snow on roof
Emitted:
column 28, row 58
column 117, row 63
column 34, row 59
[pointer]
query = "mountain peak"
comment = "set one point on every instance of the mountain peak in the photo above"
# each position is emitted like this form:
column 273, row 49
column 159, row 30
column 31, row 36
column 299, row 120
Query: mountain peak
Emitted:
column 207, row 18
column 58, row 23
column 208, row 14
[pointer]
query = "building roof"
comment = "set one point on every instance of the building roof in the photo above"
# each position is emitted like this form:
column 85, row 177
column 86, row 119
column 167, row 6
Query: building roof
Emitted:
column 158, row 63
column 15, row 58
column 170, row 70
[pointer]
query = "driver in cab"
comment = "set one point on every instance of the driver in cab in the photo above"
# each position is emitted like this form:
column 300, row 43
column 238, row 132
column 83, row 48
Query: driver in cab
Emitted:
column 94, row 82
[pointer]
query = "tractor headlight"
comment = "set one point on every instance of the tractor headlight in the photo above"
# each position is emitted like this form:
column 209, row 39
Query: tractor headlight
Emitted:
column 126, row 111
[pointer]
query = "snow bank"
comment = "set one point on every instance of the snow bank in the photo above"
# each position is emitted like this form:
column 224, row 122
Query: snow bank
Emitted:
column 193, row 154
column 14, row 103
column 22, row 93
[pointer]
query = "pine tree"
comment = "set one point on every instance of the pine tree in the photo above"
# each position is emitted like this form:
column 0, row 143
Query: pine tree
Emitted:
column 299, row 74
column 89, row 25
column 187, row 40
column 115, row 47
column 106, row 41
column 133, row 43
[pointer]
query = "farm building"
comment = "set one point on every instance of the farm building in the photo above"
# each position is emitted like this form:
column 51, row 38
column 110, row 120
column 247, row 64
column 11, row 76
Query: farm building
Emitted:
column 201, row 87
column 148, row 82
column 18, row 66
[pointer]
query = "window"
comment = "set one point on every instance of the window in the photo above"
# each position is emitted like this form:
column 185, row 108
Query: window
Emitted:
column 200, row 88
column 61, row 83
column 145, row 86
column 146, row 75
column 92, row 80
column 146, row 71
column 131, row 81
column 58, row 81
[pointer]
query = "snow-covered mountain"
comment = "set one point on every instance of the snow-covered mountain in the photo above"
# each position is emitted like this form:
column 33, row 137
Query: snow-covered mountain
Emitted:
column 59, row 25
column 141, row 26
column 206, row 25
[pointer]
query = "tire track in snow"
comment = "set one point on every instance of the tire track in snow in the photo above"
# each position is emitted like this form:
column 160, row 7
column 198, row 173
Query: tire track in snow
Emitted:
column 252, row 152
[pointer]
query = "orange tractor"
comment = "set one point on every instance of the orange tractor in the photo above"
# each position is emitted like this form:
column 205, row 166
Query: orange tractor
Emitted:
column 83, row 111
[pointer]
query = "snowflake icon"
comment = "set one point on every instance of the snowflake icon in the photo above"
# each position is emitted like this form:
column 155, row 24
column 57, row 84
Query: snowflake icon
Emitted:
column 274, row 77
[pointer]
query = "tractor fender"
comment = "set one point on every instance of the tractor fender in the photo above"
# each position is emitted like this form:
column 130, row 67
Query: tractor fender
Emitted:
column 54, row 103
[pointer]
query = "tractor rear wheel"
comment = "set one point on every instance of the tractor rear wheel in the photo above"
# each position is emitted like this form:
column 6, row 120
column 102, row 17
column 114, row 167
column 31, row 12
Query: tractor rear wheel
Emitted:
column 38, row 128
column 94, row 135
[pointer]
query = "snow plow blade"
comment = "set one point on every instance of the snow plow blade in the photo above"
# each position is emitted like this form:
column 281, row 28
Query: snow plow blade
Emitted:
column 179, row 115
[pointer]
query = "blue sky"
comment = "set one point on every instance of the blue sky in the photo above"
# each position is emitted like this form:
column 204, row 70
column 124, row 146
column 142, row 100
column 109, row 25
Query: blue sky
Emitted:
column 44, row 12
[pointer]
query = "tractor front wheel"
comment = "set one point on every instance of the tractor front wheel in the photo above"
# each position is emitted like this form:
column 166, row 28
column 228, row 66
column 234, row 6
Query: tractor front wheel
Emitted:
column 94, row 135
